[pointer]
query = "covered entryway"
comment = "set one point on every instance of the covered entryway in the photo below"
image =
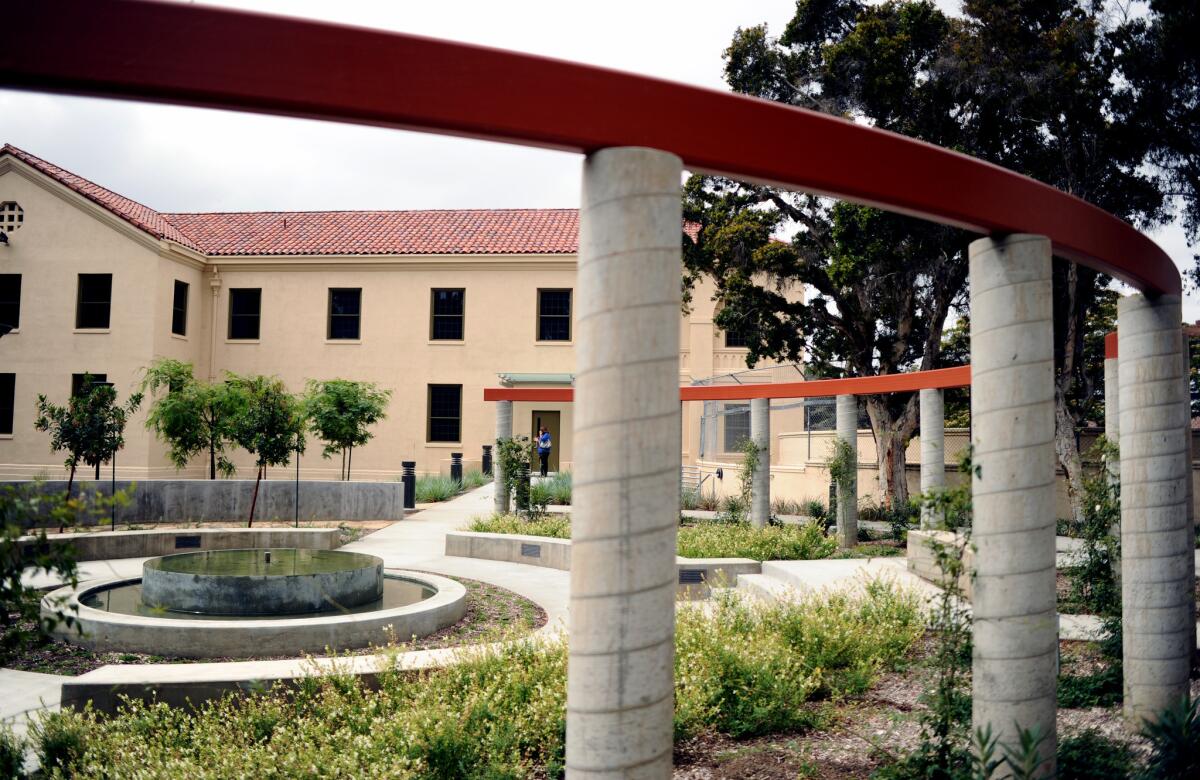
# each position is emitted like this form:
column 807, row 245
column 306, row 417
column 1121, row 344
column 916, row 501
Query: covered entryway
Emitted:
column 550, row 419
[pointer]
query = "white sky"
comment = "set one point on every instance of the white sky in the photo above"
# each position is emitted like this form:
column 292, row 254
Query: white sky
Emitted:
column 184, row 159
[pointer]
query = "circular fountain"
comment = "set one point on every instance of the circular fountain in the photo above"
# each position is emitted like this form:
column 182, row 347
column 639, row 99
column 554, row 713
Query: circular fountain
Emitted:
column 262, row 582
column 255, row 603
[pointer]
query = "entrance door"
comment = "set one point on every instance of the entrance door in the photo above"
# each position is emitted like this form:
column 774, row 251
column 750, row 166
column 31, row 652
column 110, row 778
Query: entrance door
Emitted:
column 550, row 420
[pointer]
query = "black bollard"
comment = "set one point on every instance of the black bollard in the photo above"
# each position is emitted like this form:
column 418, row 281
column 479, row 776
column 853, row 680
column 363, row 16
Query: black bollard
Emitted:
column 456, row 467
column 487, row 459
column 409, row 478
column 523, row 486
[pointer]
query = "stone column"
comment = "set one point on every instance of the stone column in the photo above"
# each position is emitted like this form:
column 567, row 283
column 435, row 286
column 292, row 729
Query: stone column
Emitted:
column 760, row 434
column 1156, row 545
column 1190, row 503
column 620, row 671
column 1015, row 660
column 847, row 495
column 504, row 413
column 933, row 449
column 1112, row 404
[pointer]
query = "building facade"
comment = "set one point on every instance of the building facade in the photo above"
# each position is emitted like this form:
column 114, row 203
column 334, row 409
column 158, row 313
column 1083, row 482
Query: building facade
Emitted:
column 431, row 305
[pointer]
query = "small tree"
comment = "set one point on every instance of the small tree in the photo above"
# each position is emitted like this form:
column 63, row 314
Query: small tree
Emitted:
column 192, row 416
column 90, row 428
column 339, row 413
column 270, row 426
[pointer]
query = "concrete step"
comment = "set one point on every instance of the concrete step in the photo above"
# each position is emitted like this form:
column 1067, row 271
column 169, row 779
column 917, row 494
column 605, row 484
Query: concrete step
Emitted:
column 761, row 587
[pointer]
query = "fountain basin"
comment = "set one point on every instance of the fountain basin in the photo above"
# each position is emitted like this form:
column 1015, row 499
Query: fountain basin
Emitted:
column 262, row 582
column 193, row 636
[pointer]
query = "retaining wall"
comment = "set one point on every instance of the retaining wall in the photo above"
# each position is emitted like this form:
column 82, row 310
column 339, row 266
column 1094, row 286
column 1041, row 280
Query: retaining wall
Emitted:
column 696, row 575
column 923, row 563
column 105, row 545
column 184, row 500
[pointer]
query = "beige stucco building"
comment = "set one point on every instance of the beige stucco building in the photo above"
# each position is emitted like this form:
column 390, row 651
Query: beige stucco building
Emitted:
column 432, row 305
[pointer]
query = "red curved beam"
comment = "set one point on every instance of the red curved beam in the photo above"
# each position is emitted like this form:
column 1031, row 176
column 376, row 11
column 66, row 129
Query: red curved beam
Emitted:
column 940, row 378
column 175, row 53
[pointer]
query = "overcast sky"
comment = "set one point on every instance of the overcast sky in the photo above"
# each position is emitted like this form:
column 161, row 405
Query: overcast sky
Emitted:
column 183, row 159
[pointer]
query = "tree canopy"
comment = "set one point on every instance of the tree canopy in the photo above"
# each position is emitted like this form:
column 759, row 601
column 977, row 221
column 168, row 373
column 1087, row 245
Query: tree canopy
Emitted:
column 270, row 426
column 192, row 416
column 340, row 413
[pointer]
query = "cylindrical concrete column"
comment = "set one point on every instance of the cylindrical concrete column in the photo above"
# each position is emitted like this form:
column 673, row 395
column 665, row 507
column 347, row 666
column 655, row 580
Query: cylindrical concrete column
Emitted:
column 760, row 435
column 1190, row 503
column 1156, row 544
column 1015, row 661
column 620, row 672
column 933, row 450
column 847, row 494
column 504, row 413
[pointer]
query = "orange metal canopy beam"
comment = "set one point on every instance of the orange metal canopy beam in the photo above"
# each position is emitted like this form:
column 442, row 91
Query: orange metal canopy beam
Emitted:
column 941, row 378
column 190, row 55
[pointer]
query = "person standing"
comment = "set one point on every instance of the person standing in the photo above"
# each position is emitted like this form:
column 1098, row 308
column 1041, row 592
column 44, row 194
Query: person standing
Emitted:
column 543, row 449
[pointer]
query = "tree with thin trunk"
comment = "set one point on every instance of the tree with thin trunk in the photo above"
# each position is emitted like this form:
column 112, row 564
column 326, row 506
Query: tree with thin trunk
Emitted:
column 270, row 426
column 90, row 428
column 192, row 416
column 340, row 413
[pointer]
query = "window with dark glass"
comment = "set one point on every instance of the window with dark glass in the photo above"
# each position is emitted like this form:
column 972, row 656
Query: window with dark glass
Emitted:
column 445, row 413
column 245, row 311
column 554, row 315
column 81, row 384
column 737, row 426
column 94, row 303
column 8, row 387
column 735, row 338
column 179, row 309
column 447, row 308
column 345, row 310
column 10, row 300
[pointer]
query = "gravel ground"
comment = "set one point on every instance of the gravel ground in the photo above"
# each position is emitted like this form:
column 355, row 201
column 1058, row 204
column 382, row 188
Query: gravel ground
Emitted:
column 491, row 611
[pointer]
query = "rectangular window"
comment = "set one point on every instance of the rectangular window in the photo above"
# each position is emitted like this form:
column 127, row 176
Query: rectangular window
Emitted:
column 554, row 315
column 94, row 303
column 445, row 413
column 446, row 313
column 179, row 309
column 245, row 310
column 345, row 309
column 10, row 300
column 735, row 339
column 79, row 387
column 737, row 425
column 8, row 386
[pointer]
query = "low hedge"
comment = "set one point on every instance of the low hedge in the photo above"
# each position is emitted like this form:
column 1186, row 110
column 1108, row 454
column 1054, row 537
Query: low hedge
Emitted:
column 700, row 539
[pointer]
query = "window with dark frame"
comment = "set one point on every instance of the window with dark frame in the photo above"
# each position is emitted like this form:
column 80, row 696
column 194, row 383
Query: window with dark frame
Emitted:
column 737, row 425
column 735, row 338
column 245, row 312
column 179, row 308
column 80, row 387
column 446, row 310
column 554, row 315
column 93, row 306
column 345, row 312
column 445, row 413
column 10, row 299
column 8, row 386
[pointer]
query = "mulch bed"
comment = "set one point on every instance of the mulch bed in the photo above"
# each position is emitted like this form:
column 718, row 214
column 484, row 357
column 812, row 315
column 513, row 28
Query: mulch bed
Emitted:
column 492, row 612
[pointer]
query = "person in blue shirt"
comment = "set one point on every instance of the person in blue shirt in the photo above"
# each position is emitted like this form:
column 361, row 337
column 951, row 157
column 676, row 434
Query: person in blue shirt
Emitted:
column 543, row 449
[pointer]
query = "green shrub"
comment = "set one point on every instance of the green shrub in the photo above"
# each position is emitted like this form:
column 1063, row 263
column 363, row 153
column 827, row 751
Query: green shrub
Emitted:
column 1174, row 742
column 1103, row 688
column 555, row 526
column 786, row 506
column 62, row 740
column 741, row 540
column 500, row 713
column 12, row 753
column 555, row 489
column 1089, row 755
column 432, row 488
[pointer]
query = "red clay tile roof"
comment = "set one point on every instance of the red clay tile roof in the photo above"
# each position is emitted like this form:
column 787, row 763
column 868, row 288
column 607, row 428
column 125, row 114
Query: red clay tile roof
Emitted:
column 473, row 231
column 142, row 217
column 460, row 231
